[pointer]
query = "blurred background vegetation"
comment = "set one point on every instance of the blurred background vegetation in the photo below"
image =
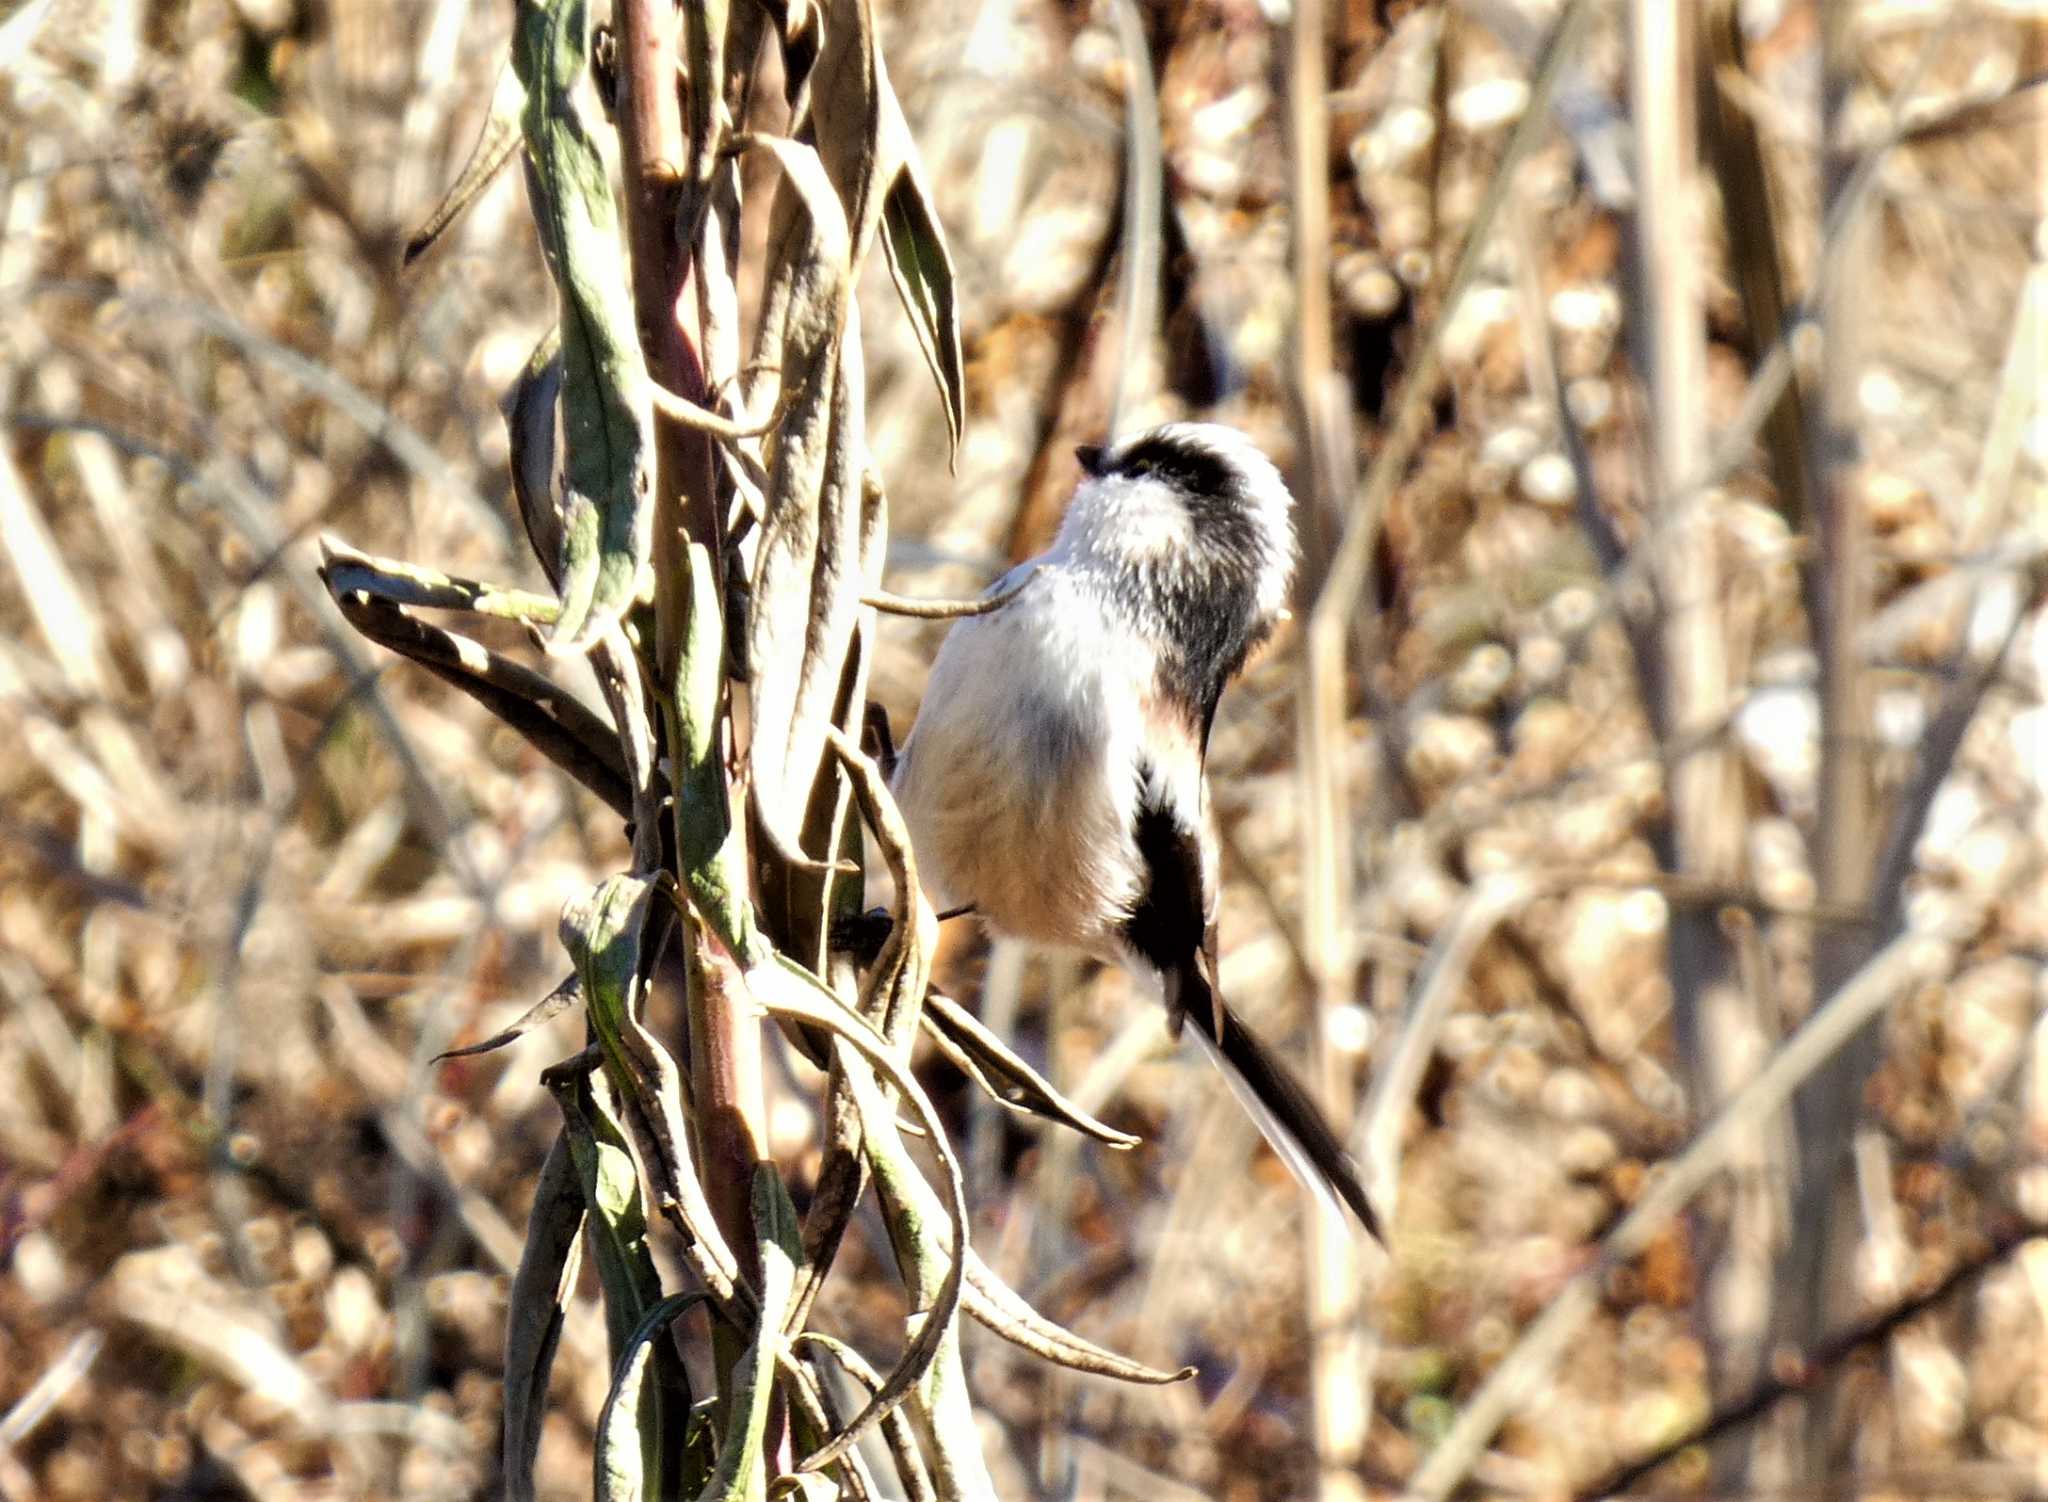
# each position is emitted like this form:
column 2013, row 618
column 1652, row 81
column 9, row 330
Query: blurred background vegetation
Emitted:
column 1688, row 667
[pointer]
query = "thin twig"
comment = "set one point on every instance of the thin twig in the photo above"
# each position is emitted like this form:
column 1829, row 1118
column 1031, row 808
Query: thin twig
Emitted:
column 1325, row 806
column 1144, row 192
column 49, row 1389
column 702, row 419
column 1414, row 407
column 945, row 610
column 1851, row 837
column 1340, row 1352
column 1488, row 904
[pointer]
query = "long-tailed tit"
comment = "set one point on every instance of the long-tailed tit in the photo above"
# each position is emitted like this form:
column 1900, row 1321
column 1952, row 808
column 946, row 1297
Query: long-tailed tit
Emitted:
column 1054, row 778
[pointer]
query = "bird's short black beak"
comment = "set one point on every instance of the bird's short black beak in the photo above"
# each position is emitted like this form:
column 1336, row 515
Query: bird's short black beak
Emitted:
column 1090, row 455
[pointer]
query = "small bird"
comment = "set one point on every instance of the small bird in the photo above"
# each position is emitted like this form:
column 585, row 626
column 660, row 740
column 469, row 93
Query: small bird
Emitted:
column 1054, row 778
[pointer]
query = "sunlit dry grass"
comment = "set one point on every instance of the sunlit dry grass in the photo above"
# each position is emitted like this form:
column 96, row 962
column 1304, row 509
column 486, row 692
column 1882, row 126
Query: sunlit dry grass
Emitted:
column 253, row 876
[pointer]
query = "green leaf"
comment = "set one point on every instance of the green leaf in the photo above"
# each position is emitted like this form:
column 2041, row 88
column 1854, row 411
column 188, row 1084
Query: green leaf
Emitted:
column 711, row 850
column 602, row 933
column 622, row 1447
column 657, row 1406
column 742, row 1466
column 529, row 409
column 611, row 1193
column 607, row 512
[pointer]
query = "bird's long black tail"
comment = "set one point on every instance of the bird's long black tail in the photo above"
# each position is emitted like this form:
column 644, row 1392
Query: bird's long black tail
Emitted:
column 1287, row 1117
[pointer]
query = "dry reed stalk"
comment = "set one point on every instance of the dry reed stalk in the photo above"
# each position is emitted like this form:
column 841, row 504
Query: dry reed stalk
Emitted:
column 1340, row 1350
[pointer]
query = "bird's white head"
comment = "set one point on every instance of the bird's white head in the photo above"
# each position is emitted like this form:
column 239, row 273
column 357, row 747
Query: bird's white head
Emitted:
column 1193, row 529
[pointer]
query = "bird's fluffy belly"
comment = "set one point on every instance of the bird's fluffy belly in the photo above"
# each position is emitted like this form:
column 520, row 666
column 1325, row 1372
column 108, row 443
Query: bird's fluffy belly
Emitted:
column 1017, row 794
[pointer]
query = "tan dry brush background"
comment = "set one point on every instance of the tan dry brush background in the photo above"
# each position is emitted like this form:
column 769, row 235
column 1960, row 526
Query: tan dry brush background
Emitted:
column 255, row 1246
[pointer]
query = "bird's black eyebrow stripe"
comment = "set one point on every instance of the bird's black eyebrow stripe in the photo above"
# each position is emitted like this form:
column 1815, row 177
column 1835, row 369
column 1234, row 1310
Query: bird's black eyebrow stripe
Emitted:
column 1194, row 466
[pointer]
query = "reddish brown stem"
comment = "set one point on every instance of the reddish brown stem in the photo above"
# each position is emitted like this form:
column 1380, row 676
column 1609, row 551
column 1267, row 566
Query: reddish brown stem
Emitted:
column 652, row 152
column 725, row 1043
column 725, row 1060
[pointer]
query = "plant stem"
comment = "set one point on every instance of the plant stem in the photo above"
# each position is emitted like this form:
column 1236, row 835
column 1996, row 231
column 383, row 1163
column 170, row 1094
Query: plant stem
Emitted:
column 725, row 1043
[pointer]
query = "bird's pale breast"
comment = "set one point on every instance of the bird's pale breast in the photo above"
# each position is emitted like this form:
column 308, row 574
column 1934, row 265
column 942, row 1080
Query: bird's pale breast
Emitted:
column 1016, row 780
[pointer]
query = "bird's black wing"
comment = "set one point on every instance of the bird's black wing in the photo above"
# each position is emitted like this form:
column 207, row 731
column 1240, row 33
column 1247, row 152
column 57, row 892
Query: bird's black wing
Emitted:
column 1171, row 927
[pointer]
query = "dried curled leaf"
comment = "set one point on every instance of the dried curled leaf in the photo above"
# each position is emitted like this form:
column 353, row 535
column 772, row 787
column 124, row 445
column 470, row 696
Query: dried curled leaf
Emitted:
column 890, row 1001
column 559, row 725
column 902, row 972
column 495, row 144
column 602, row 933
column 786, row 990
column 1001, row 1309
column 396, row 582
column 922, row 270
column 992, row 1064
column 896, row 1430
column 648, row 1419
column 808, row 571
column 873, row 161
column 566, row 995
column 929, row 1252
column 803, row 1486
column 540, row 1292
column 994, row 1304
column 898, row 991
